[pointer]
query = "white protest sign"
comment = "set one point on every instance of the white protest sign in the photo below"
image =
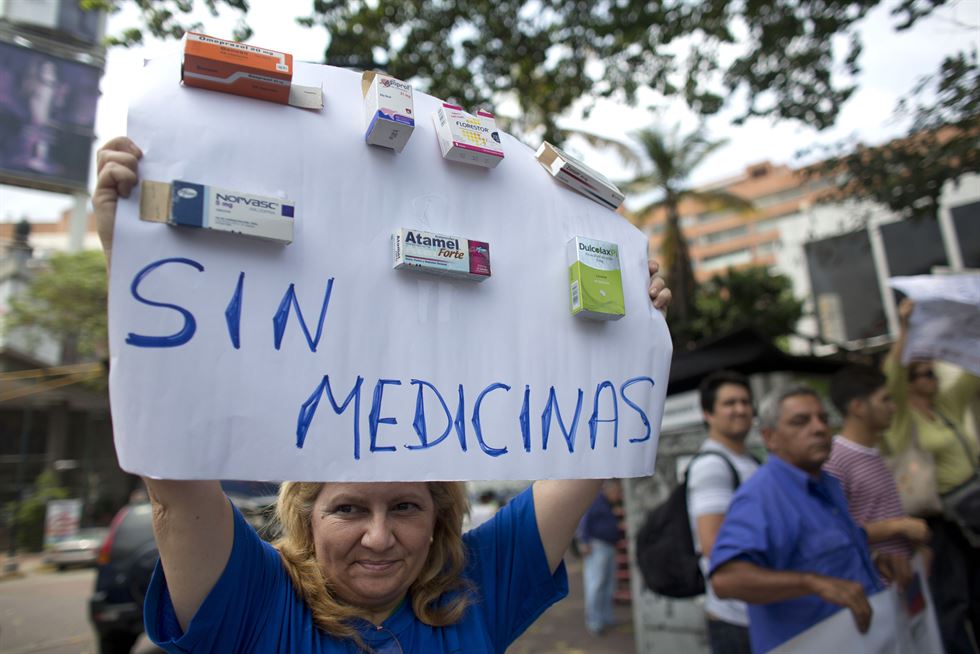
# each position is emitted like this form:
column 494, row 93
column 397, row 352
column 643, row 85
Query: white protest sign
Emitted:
column 61, row 520
column 946, row 321
column 901, row 623
column 236, row 358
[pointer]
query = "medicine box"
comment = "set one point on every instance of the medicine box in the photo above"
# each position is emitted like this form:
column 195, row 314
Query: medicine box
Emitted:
column 243, row 69
column 595, row 279
column 467, row 138
column 439, row 254
column 187, row 204
column 580, row 177
column 388, row 109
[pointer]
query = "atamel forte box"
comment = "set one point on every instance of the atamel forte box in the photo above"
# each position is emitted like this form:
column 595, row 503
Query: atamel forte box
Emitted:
column 389, row 111
column 595, row 279
column 243, row 69
column 187, row 204
column 451, row 256
column 467, row 138
column 580, row 177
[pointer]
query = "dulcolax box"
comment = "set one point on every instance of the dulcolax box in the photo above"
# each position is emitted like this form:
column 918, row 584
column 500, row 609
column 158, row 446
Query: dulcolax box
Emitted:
column 595, row 279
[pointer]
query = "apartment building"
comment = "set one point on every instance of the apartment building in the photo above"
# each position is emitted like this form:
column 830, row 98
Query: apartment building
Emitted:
column 792, row 231
column 720, row 238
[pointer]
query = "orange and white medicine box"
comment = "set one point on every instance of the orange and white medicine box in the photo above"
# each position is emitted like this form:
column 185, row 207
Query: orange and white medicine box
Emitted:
column 243, row 69
column 468, row 138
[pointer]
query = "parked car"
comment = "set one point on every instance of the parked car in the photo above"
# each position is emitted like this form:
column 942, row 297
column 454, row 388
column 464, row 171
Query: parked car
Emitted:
column 129, row 554
column 81, row 550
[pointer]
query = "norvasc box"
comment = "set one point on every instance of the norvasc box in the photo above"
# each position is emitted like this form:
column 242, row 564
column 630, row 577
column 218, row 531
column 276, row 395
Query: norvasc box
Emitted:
column 243, row 69
column 207, row 207
column 580, row 177
column 595, row 279
column 389, row 110
column 467, row 138
column 439, row 254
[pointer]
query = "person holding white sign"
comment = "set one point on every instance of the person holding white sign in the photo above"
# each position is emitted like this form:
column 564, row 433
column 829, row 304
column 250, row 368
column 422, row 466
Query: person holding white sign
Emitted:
column 788, row 546
column 934, row 416
column 380, row 567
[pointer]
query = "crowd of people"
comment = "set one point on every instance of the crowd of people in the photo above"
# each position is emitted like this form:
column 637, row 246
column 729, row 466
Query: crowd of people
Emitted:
column 823, row 523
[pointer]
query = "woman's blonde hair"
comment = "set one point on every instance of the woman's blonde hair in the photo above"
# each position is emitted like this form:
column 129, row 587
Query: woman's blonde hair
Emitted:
column 441, row 573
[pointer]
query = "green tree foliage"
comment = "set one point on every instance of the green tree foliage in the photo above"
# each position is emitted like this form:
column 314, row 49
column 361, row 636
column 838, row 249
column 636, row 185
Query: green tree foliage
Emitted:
column 750, row 297
column 547, row 55
column 664, row 161
column 942, row 144
column 67, row 300
column 29, row 514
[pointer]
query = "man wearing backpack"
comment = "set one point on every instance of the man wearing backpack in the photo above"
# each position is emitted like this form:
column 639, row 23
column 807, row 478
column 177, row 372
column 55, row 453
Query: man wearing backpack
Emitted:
column 722, row 464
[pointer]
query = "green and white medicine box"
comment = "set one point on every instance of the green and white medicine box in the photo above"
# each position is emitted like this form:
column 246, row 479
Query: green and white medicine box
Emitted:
column 595, row 279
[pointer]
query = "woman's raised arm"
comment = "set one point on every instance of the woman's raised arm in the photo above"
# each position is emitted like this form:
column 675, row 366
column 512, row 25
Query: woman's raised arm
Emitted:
column 559, row 504
column 192, row 520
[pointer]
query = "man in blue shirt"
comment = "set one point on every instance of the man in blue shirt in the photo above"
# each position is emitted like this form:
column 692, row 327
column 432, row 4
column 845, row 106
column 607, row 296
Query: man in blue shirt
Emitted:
column 788, row 545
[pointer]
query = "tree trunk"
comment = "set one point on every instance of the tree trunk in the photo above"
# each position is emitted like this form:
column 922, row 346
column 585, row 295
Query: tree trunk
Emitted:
column 678, row 271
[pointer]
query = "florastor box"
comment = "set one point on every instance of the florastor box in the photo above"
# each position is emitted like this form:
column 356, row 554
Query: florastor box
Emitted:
column 389, row 111
column 468, row 138
column 595, row 279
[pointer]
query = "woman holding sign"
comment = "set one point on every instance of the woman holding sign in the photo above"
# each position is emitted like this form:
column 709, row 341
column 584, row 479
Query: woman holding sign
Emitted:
column 934, row 420
column 378, row 567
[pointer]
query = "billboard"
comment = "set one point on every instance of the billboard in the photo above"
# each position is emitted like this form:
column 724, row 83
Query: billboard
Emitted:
column 66, row 17
column 47, row 119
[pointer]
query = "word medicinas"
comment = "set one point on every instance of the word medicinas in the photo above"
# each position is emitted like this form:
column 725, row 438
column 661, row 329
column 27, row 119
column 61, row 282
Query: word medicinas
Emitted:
column 456, row 420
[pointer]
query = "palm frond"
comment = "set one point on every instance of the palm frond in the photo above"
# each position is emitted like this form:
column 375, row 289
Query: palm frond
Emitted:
column 624, row 151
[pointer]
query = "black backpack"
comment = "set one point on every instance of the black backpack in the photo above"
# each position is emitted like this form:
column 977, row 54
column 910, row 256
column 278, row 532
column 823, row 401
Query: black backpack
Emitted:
column 665, row 546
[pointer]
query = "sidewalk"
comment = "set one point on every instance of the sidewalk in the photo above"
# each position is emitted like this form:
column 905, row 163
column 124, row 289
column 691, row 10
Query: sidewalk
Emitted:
column 27, row 563
column 561, row 630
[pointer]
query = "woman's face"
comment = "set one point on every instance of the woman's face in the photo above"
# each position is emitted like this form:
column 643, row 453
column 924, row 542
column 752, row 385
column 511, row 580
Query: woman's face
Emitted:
column 922, row 379
column 372, row 540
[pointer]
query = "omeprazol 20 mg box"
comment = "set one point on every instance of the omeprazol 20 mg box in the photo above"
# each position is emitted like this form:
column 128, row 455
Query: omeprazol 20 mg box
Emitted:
column 595, row 279
column 439, row 254
column 244, row 69
column 208, row 207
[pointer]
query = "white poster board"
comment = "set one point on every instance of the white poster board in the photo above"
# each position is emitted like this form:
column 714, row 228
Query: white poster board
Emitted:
column 946, row 321
column 397, row 375
column 901, row 623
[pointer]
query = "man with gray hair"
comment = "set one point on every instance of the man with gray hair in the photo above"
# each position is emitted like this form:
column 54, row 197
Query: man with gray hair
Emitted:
column 788, row 545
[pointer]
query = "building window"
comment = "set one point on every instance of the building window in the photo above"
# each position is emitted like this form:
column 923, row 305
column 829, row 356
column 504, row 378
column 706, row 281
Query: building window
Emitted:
column 778, row 198
column 724, row 235
column 726, row 260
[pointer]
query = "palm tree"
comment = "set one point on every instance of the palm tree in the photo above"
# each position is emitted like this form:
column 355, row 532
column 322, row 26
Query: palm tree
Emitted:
column 663, row 161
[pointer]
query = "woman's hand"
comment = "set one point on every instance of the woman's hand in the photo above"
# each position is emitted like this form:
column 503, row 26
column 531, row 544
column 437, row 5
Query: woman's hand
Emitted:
column 660, row 295
column 117, row 163
column 905, row 308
